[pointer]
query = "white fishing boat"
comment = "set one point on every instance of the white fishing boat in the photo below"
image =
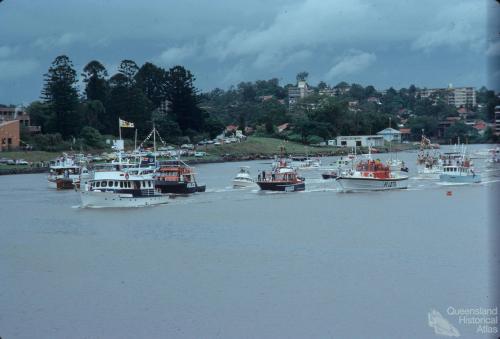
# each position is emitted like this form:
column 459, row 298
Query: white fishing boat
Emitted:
column 243, row 179
column 120, row 189
column 459, row 170
column 64, row 173
column 371, row 175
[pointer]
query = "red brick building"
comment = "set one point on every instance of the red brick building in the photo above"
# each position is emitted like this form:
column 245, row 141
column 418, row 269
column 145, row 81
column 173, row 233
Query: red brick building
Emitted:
column 10, row 135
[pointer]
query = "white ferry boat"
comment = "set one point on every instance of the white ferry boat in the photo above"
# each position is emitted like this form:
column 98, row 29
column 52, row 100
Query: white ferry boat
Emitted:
column 120, row 189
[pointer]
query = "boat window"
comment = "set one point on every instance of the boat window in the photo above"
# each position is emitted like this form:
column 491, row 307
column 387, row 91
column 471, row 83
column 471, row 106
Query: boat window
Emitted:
column 129, row 184
column 104, row 184
column 149, row 183
column 121, row 184
column 116, row 183
column 98, row 184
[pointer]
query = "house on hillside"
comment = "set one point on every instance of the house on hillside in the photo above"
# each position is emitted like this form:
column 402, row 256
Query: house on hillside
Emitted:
column 359, row 141
column 231, row 129
column 283, row 127
column 390, row 134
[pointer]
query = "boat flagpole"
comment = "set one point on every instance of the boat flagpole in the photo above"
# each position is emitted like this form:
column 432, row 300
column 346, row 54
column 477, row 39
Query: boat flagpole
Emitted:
column 120, row 128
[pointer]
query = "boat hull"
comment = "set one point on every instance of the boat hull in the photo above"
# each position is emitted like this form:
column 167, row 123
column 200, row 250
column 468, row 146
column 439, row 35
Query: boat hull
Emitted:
column 243, row 183
column 430, row 173
column 281, row 186
column 460, row 179
column 92, row 199
column 348, row 184
column 178, row 187
column 329, row 175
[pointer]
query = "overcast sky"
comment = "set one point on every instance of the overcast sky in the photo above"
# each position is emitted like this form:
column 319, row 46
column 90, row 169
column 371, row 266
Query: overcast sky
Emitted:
column 383, row 43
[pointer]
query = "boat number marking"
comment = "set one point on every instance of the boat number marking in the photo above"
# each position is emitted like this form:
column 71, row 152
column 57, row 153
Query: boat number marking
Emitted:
column 390, row 184
column 190, row 184
column 289, row 188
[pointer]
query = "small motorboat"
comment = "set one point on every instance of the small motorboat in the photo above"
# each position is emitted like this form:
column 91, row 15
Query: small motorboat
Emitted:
column 243, row 179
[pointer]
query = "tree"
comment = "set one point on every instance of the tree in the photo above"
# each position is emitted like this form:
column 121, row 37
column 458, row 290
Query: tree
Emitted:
column 128, row 69
column 41, row 115
column 152, row 81
column 93, row 114
column 247, row 91
column 302, row 76
column 94, row 76
column 92, row 137
column 60, row 93
column 322, row 85
column 460, row 130
column 167, row 127
column 181, row 94
column 128, row 102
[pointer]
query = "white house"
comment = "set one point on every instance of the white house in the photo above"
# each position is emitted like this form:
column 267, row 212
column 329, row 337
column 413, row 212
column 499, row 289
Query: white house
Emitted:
column 360, row 141
column 390, row 134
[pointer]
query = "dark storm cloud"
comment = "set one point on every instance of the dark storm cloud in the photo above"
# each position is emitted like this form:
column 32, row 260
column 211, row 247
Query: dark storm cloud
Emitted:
column 384, row 43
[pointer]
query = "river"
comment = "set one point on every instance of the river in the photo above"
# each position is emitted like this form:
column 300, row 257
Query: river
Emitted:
column 245, row 264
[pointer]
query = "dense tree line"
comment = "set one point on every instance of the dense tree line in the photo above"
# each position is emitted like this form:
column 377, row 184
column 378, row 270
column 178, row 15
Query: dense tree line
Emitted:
column 354, row 109
column 168, row 98
column 142, row 95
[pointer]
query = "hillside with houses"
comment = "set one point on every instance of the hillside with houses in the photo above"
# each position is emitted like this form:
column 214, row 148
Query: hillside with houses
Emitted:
column 345, row 114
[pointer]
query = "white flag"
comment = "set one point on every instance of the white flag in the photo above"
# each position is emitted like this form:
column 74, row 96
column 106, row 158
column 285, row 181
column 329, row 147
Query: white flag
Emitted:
column 126, row 124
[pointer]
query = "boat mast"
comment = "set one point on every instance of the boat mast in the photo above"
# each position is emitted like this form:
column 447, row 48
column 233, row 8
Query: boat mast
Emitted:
column 154, row 142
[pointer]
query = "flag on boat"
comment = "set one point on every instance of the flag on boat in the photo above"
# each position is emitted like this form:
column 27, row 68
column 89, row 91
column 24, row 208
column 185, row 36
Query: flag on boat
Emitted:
column 126, row 124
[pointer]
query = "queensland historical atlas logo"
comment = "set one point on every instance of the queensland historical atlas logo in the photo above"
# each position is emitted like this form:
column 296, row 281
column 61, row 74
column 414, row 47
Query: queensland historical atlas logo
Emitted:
column 485, row 320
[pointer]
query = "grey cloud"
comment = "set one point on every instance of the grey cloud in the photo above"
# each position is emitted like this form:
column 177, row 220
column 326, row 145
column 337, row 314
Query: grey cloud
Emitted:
column 352, row 63
column 14, row 68
column 176, row 55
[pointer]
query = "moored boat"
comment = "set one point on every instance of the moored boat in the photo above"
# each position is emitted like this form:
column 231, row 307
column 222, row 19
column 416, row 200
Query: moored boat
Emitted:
column 64, row 173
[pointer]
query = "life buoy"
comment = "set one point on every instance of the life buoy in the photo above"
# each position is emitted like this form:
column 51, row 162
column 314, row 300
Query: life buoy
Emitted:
column 126, row 176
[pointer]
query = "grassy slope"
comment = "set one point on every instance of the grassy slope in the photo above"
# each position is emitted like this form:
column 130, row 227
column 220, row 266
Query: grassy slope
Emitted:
column 262, row 146
column 30, row 156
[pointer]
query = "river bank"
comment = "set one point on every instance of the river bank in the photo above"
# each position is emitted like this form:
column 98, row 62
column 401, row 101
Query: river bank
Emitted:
column 254, row 148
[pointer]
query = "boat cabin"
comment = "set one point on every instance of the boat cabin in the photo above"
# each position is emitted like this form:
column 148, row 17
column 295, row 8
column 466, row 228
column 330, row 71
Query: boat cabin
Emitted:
column 136, row 187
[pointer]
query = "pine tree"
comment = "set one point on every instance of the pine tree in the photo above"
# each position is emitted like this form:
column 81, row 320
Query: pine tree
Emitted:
column 183, row 99
column 94, row 76
column 61, row 95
